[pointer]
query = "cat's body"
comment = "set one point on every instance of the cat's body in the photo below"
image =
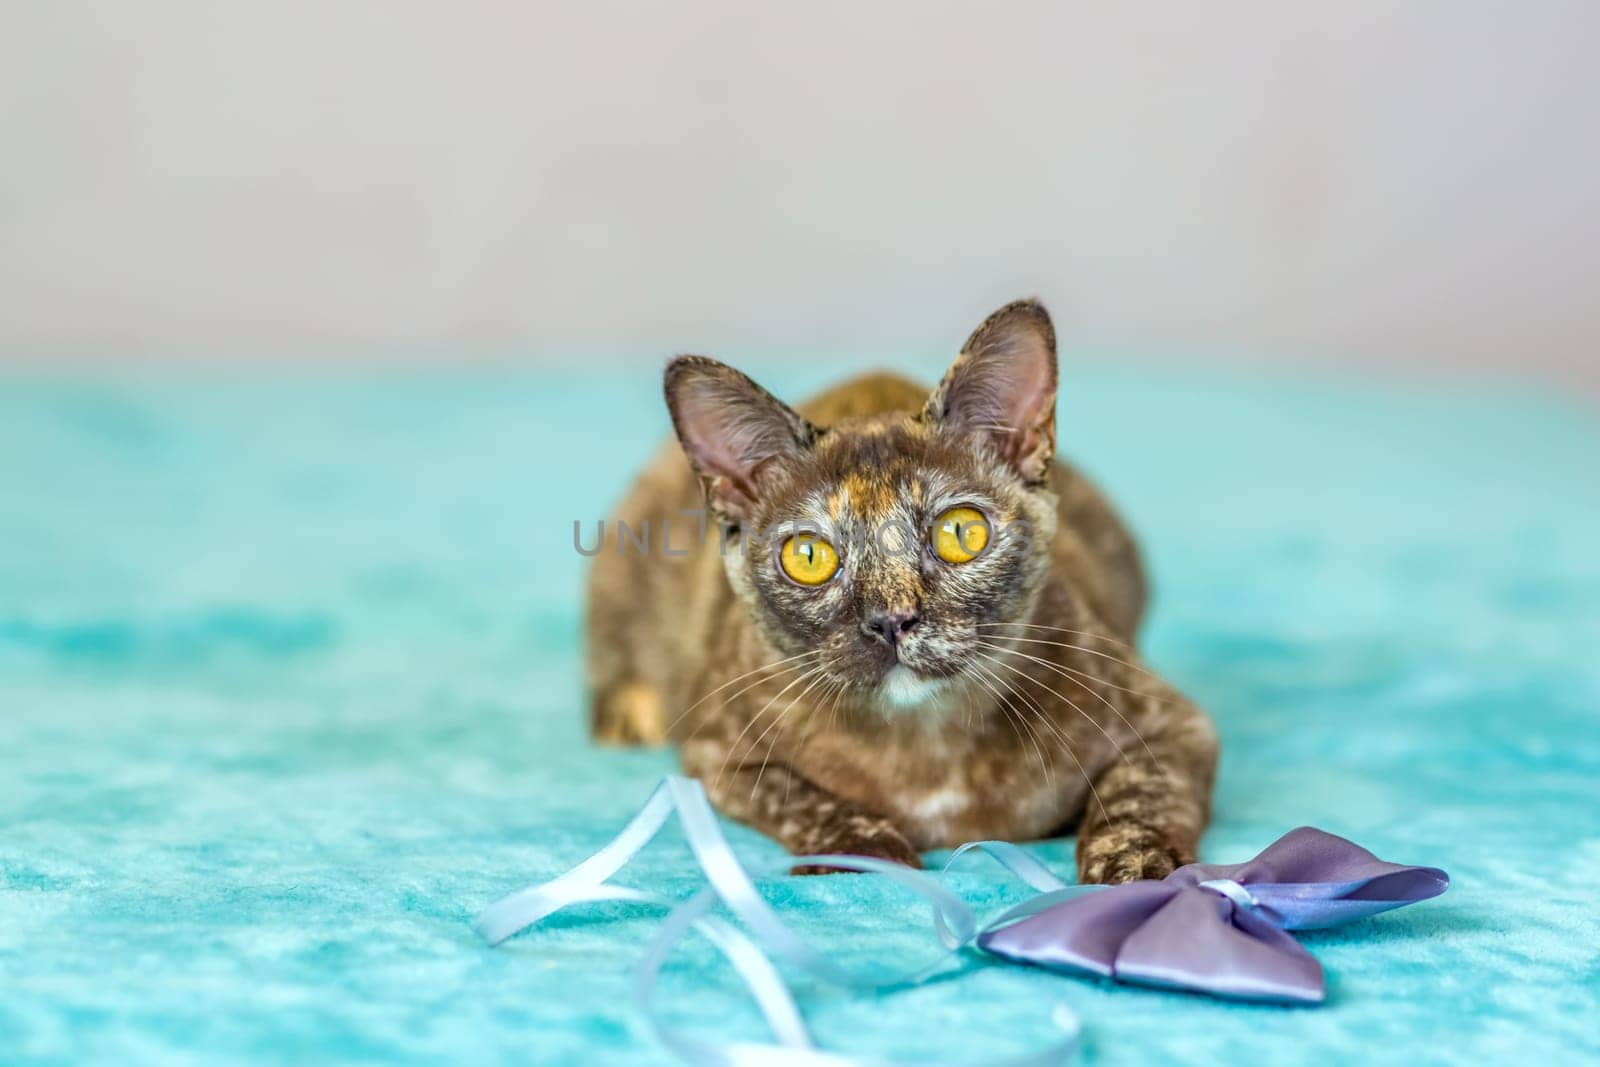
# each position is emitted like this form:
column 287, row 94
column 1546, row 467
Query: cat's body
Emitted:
column 906, row 702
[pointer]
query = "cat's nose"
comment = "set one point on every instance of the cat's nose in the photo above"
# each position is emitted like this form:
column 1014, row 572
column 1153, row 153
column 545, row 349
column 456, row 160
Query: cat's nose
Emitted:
column 890, row 626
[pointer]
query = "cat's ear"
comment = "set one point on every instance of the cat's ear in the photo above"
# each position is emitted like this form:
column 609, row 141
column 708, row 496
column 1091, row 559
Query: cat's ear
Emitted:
column 732, row 430
column 1003, row 386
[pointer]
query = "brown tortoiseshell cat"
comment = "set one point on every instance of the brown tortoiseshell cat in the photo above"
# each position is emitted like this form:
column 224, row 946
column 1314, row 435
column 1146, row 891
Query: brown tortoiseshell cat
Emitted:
column 915, row 628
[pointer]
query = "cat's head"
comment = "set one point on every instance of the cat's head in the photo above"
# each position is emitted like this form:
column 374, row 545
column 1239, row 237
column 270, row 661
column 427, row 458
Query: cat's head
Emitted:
column 885, row 544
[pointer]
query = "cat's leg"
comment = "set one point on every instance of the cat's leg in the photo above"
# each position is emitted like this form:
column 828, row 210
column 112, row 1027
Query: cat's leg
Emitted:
column 625, row 707
column 1152, row 804
column 628, row 713
column 805, row 818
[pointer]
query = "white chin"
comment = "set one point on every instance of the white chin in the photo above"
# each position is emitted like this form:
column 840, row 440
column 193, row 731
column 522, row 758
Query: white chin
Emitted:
column 903, row 688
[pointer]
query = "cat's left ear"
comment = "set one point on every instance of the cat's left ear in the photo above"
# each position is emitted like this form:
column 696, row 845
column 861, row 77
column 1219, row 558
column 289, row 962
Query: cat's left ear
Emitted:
column 1003, row 386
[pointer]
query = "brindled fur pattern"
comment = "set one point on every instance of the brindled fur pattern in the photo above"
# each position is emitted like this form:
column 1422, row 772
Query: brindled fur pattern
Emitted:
column 1007, row 701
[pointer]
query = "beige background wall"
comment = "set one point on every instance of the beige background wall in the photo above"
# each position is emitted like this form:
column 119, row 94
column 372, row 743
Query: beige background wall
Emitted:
column 1373, row 183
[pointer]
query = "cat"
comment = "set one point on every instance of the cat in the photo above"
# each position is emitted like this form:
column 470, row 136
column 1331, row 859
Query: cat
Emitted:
column 892, row 620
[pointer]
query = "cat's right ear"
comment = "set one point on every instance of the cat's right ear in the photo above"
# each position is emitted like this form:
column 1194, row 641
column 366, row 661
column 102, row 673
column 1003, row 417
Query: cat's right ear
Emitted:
column 732, row 430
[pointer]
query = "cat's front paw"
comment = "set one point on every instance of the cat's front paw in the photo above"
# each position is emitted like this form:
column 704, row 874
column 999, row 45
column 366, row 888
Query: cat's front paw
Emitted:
column 1118, row 855
column 857, row 836
column 630, row 714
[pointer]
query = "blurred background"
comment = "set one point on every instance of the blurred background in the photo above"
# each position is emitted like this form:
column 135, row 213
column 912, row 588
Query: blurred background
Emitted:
column 1411, row 186
column 323, row 323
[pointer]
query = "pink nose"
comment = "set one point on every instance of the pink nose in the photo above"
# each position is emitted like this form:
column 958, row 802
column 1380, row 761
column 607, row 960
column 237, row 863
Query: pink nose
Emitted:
column 890, row 626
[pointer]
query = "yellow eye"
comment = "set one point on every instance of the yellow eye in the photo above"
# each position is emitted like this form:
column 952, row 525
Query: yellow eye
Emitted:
column 808, row 559
column 960, row 534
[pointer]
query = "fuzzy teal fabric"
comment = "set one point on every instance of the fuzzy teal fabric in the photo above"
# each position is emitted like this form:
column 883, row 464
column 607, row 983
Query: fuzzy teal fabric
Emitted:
column 290, row 688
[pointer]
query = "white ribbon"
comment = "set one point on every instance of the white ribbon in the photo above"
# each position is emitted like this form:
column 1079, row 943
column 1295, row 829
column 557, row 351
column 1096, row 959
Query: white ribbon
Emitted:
column 954, row 926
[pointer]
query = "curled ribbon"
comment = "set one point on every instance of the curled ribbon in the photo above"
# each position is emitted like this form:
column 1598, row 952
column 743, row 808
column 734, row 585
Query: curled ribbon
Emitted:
column 1218, row 929
column 955, row 927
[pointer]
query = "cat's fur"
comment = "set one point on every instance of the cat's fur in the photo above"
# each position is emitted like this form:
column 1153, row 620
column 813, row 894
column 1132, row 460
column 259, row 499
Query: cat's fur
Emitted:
column 1013, row 705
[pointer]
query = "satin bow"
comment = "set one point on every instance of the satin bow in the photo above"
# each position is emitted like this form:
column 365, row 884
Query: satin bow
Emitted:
column 1217, row 928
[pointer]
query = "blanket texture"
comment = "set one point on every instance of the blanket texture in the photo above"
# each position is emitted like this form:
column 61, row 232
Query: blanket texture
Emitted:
column 290, row 689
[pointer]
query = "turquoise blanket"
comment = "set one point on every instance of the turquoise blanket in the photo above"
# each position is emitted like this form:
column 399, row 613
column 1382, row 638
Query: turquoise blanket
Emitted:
column 289, row 689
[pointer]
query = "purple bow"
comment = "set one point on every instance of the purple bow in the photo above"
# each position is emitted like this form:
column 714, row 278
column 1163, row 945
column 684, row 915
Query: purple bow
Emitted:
column 1218, row 927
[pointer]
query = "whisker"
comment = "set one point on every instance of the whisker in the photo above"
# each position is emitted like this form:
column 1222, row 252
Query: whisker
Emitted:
column 738, row 678
column 1076, row 648
column 1013, row 691
column 833, row 709
column 1087, row 676
column 791, row 667
column 831, row 694
column 1088, row 779
column 972, row 668
column 1097, row 634
column 701, row 725
column 1090, row 719
column 1114, row 709
column 1121, row 753
column 753, row 719
column 1005, row 706
column 820, row 677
